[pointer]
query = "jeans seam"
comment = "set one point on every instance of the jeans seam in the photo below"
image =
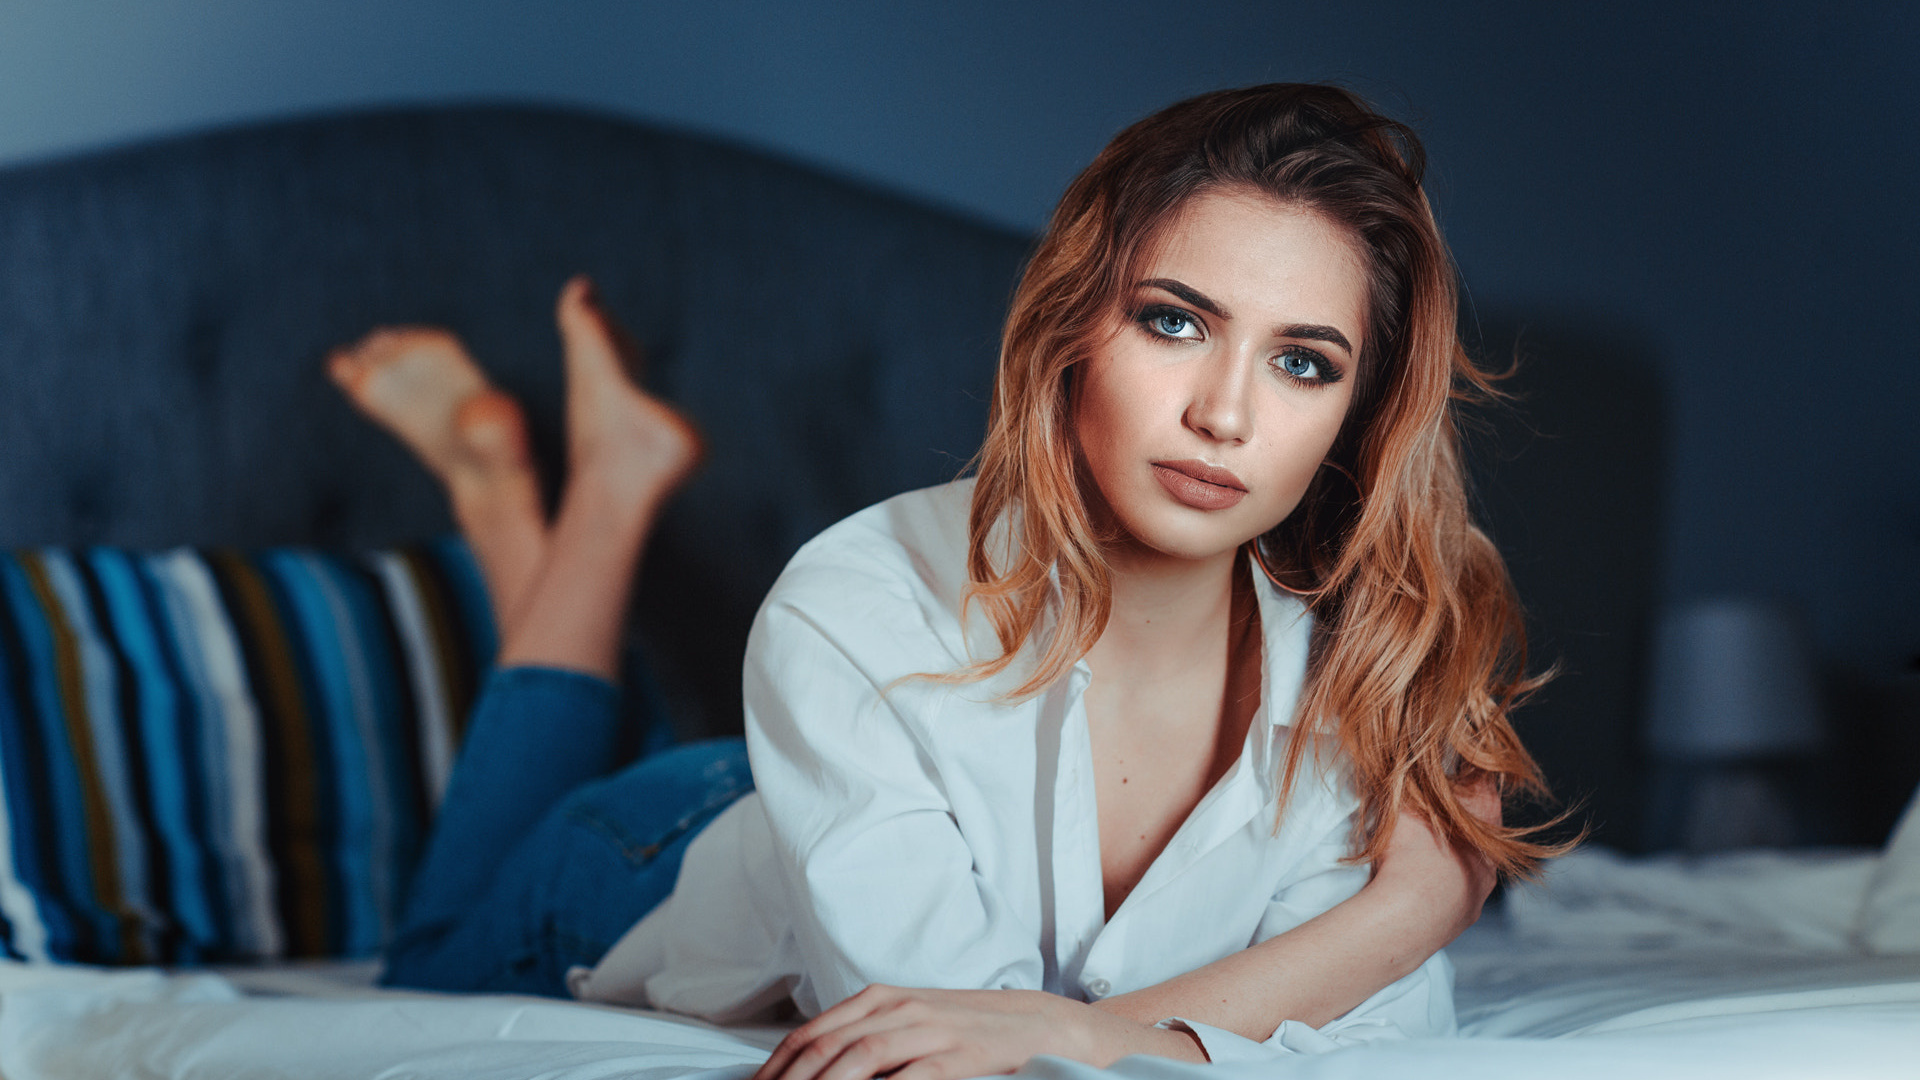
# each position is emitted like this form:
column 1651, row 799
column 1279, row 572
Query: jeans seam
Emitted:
column 502, row 974
column 637, row 853
column 578, row 944
column 508, row 972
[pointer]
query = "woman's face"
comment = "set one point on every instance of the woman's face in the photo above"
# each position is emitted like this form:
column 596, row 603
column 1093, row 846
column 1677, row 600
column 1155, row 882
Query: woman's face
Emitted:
column 1226, row 375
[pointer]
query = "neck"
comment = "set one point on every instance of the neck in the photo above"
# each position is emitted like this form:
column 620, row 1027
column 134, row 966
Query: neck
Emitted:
column 1169, row 614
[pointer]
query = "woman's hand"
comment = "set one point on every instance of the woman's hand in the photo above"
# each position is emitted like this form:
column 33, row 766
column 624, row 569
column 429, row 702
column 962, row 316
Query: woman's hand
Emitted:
column 950, row 1034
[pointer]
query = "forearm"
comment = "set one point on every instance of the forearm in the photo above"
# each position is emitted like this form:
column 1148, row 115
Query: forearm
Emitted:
column 1420, row 898
column 1314, row 973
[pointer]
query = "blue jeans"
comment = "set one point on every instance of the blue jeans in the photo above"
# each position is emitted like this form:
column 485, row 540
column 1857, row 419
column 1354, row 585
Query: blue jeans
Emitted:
column 541, row 856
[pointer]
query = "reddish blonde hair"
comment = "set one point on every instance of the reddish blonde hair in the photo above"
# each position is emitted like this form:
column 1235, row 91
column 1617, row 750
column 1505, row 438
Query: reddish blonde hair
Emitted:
column 1419, row 653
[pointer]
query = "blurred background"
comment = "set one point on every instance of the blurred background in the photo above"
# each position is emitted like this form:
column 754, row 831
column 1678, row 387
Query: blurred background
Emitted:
column 1705, row 215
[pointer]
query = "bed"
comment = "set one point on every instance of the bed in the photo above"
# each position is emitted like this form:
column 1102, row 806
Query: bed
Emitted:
column 1613, row 967
column 212, row 834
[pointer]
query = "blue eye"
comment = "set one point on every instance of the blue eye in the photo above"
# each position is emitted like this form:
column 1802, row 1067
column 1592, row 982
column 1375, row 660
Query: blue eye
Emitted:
column 1304, row 365
column 1169, row 322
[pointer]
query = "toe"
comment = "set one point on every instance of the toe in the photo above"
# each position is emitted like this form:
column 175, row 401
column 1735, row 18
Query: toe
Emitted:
column 576, row 296
column 585, row 330
column 344, row 368
column 590, row 334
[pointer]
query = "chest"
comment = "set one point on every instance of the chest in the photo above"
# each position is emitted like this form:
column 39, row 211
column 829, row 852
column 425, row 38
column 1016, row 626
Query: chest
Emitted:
column 1203, row 891
column 1153, row 762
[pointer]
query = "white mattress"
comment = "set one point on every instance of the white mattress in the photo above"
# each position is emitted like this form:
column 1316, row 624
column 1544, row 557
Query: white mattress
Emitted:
column 1618, row 969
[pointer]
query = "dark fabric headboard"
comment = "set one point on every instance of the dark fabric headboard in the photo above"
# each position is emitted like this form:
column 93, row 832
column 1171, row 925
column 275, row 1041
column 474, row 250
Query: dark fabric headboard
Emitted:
column 164, row 313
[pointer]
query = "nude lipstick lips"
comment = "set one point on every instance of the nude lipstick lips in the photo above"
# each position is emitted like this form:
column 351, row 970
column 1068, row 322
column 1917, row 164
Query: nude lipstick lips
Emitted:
column 1199, row 485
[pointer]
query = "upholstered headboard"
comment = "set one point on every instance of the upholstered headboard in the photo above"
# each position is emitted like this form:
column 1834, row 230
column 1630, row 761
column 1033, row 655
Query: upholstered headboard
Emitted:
column 164, row 312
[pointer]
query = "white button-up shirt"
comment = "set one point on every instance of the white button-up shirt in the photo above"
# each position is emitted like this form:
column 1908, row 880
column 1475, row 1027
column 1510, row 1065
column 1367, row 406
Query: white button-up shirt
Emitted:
column 920, row 833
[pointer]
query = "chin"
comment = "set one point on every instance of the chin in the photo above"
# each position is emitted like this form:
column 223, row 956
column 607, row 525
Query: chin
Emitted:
column 1178, row 535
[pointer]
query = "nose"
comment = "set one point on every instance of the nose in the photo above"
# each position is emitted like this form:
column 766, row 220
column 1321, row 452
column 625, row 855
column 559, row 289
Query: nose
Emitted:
column 1220, row 405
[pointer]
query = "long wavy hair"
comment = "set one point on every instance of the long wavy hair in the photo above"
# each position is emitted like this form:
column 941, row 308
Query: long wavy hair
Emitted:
column 1419, row 652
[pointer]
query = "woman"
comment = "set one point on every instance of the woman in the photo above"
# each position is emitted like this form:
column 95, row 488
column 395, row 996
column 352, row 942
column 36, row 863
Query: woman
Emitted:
column 1089, row 755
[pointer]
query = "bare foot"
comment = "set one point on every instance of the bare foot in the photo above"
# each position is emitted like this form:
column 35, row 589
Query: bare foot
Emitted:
column 627, row 451
column 420, row 384
column 626, row 443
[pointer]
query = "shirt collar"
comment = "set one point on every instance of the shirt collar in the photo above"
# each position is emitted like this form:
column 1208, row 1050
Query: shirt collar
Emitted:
column 1286, row 630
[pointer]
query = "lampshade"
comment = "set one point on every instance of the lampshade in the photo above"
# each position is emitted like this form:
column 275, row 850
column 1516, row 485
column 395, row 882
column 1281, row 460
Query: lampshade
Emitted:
column 1733, row 678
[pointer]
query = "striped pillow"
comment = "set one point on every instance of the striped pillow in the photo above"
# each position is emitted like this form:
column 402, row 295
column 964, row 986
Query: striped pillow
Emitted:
column 222, row 755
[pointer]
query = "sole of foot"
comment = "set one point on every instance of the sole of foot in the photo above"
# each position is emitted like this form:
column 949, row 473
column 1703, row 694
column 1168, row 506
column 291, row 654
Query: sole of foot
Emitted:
column 420, row 384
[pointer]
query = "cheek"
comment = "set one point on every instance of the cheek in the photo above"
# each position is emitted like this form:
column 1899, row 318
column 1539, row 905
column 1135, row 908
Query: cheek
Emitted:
column 1306, row 442
column 1298, row 473
column 1101, row 417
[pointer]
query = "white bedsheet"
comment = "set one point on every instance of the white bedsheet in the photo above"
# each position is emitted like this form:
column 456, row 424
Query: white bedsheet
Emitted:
column 70, row 1024
column 1619, row 969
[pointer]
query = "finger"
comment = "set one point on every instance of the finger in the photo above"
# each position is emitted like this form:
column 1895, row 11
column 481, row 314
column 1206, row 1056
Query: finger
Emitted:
column 852, row 1010
column 803, row 1036
column 947, row 1066
column 819, row 1055
column 1482, row 799
column 883, row 1052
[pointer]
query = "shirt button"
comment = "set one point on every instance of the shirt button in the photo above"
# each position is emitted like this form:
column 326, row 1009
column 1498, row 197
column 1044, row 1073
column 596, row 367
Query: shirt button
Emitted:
column 1099, row 987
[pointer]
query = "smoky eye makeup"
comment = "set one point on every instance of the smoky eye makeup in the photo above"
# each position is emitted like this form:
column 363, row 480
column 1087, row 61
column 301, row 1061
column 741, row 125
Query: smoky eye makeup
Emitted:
column 1308, row 367
column 1301, row 364
column 1165, row 322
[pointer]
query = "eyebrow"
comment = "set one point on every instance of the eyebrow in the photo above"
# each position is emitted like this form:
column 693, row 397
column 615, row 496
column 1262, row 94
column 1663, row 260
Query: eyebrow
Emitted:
column 1188, row 293
column 1304, row 331
column 1312, row 332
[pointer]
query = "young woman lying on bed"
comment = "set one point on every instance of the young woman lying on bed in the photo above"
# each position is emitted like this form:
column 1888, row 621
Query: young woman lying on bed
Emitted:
column 1180, row 728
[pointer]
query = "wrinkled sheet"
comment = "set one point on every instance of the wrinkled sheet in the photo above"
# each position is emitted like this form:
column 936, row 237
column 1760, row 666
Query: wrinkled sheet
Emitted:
column 1737, row 967
column 73, row 1023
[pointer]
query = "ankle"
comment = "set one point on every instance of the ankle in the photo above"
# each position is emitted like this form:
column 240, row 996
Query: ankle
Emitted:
column 611, row 502
column 643, row 466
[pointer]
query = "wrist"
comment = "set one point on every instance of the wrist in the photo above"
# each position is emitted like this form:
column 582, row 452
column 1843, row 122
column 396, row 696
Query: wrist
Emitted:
column 1105, row 1036
column 1181, row 1044
column 1081, row 1032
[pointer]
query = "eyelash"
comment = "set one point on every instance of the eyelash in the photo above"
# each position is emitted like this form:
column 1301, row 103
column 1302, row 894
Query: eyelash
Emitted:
column 1148, row 315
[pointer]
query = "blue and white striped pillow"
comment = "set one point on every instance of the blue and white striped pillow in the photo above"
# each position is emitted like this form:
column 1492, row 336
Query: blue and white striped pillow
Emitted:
column 222, row 755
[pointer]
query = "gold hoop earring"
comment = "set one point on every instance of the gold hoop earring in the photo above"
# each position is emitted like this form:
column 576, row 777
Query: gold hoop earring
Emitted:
column 1260, row 555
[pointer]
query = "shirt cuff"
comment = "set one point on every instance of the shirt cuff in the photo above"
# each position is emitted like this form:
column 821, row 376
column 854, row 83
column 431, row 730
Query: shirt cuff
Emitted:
column 579, row 979
column 1223, row 1046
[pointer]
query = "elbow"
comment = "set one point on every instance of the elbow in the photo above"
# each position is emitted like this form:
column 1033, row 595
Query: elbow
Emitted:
column 1471, row 891
column 1434, row 884
column 1437, row 902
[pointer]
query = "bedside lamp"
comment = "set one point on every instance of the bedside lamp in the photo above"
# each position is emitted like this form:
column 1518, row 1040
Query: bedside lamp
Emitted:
column 1735, row 705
